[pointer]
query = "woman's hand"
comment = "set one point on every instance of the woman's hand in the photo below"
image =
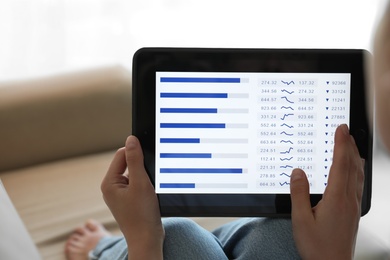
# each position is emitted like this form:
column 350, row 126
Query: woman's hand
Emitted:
column 328, row 231
column 133, row 202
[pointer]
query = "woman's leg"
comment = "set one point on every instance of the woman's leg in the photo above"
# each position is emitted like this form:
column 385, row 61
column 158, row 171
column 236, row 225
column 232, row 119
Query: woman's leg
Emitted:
column 255, row 238
column 113, row 247
column 185, row 239
column 258, row 238
column 92, row 241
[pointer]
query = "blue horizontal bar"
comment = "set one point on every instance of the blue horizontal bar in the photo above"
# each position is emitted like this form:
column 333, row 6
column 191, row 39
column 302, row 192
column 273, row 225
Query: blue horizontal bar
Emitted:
column 200, row 170
column 185, row 155
column 191, row 125
column 193, row 95
column 180, row 140
column 188, row 110
column 199, row 80
column 177, row 185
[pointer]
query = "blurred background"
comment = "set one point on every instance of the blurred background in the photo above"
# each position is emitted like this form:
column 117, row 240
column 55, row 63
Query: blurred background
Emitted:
column 43, row 37
column 42, row 42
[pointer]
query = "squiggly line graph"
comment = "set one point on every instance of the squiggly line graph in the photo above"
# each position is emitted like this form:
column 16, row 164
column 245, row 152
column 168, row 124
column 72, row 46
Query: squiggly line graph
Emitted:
column 288, row 151
column 283, row 107
column 284, row 183
column 286, row 141
column 284, row 133
column 286, row 166
column 289, row 92
column 289, row 101
column 285, row 174
column 288, row 82
column 286, row 159
column 289, row 126
column 286, row 115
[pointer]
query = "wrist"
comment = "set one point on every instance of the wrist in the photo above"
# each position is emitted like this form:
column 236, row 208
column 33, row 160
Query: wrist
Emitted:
column 145, row 253
column 145, row 246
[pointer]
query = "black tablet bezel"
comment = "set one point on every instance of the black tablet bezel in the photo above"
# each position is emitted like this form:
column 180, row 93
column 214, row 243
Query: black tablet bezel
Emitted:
column 147, row 61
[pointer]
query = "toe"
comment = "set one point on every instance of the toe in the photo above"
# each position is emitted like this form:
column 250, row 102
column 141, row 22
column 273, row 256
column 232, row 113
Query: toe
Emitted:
column 92, row 225
column 80, row 230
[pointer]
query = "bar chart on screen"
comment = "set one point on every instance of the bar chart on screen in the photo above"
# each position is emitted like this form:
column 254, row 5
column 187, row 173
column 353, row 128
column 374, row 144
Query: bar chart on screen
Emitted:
column 245, row 132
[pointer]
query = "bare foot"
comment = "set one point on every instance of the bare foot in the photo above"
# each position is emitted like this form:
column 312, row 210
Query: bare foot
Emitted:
column 84, row 239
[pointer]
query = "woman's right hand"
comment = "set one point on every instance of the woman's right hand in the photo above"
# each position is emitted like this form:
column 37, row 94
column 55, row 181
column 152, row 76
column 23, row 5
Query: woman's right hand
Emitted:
column 328, row 231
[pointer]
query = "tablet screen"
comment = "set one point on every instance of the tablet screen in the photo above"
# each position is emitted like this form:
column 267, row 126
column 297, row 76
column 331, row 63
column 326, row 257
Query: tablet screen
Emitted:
column 222, row 129
column 245, row 132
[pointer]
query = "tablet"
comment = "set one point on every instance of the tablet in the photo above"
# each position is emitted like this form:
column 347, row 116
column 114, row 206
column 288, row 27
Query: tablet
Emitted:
column 222, row 129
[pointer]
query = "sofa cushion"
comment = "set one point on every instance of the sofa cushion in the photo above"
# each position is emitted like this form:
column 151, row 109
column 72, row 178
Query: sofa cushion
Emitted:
column 63, row 116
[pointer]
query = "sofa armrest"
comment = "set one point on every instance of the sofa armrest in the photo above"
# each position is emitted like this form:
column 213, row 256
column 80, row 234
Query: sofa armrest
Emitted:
column 63, row 116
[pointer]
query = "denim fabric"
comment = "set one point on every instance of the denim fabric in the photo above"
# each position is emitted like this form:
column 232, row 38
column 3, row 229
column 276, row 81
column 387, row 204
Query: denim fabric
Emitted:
column 258, row 238
column 110, row 248
column 246, row 238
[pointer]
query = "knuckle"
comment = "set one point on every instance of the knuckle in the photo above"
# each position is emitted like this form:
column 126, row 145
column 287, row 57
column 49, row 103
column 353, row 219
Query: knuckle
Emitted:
column 104, row 188
column 298, row 188
column 361, row 171
column 355, row 208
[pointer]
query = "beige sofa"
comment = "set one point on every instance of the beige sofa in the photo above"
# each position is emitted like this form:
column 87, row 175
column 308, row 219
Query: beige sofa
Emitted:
column 57, row 137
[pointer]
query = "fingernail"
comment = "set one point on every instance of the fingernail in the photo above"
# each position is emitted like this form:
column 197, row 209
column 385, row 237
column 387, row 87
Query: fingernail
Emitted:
column 296, row 175
column 131, row 142
column 345, row 129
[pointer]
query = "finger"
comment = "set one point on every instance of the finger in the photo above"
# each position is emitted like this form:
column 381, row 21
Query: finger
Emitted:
column 339, row 171
column 360, row 181
column 115, row 171
column 301, row 211
column 356, row 172
column 354, row 148
column 135, row 161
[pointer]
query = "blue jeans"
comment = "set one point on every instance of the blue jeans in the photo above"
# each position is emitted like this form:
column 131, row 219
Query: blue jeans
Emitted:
column 246, row 238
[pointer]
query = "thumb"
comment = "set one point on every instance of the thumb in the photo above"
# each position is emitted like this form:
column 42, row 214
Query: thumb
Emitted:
column 300, row 196
column 135, row 160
